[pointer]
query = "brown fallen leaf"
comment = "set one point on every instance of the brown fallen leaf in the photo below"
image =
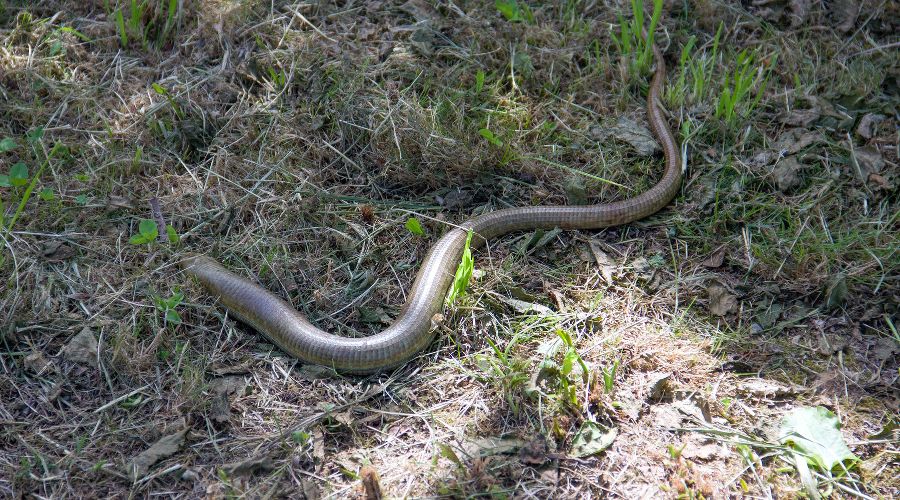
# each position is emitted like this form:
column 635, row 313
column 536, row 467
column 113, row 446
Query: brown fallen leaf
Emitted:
column 370, row 482
column 845, row 13
column 867, row 124
column 57, row 251
column 164, row 448
column 606, row 263
column 715, row 259
column 795, row 140
column 249, row 466
column 868, row 160
column 38, row 364
column 222, row 389
column 762, row 388
column 535, row 452
column 721, row 301
column 802, row 117
column 82, row 348
column 786, row 173
column 704, row 452
column 636, row 135
column 661, row 387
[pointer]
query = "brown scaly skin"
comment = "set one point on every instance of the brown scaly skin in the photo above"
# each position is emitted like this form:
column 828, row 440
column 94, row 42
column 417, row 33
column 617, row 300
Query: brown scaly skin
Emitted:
column 411, row 331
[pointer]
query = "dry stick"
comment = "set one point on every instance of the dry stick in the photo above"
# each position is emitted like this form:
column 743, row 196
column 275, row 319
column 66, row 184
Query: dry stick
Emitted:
column 156, row 213
column 313, row 26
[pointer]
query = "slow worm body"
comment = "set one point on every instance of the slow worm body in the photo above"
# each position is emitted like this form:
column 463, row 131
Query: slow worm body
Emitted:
column 411, row 331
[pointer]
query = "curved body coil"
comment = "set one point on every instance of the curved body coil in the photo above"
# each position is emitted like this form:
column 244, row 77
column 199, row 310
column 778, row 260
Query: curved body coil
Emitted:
column 411, row 331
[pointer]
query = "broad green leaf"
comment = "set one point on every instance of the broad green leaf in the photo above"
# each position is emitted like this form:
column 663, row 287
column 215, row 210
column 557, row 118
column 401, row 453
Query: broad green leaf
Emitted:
column 139, row 239
column 300, row 437
column 35, row 134
column 81, row 199
column 448, row 453
column 46, row 194
column 816, row 433
column 173, row 235
column 159, row 89
column 592, row 438
column 173, row 317
column 414, row 226
column 4, row 180
column 7, row 144
column 147, row 227
column 120, row 24
column 73, row 31
column 463, row 272
column 487, row 134
column 509, row 9
column 18, row 174
column 147, row 233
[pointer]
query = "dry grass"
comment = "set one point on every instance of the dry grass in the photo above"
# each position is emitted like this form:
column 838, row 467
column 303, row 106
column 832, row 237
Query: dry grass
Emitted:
column 292, row 142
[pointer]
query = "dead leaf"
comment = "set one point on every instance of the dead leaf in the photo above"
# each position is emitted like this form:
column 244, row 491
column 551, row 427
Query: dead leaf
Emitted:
column 762, row 388
column 661, row 387
column 249, row 466
column 421, row 11
column 606, row 263
column 370, row 482
column 867, row 124
column 715, row 259
column 794, row 140
column 593, row 438
column 164, row 448
column 845, row 13
column 721, row 301
column 221, row 389
column 37, row 363
column 786, row 173
column 837, row 291
column 868, row 160
column 802, row 117
column 665, row 416
column 82, row 348
column 57, row 251
column 636, row 135
column 482, row 447
column 535, row 452
column 704, row 453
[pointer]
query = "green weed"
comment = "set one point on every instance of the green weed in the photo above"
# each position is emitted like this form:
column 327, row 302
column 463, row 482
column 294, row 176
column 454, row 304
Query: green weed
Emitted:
column 630, row 41
column 148, row 22
column 17, row 179
column 168, row 306
column 463, row 272
column 737, row 87
column 414, row 226
column 514, row 12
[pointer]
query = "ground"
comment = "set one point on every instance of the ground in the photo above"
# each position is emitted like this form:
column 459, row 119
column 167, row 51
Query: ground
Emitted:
column 294, row 142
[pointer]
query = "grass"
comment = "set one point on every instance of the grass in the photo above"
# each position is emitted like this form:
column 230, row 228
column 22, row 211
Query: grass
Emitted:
column 293, row 142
